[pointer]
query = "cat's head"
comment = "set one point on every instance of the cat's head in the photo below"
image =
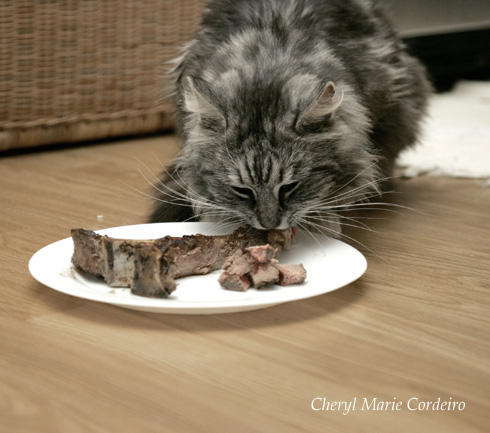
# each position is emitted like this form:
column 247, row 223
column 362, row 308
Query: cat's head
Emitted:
column 274, row 154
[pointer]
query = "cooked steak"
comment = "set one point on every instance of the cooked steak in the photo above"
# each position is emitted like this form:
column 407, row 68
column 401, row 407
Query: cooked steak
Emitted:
column 150, row 267
column 291, row 274
column 256, row 266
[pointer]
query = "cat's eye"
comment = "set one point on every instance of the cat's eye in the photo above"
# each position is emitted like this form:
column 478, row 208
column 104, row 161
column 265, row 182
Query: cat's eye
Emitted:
column 244, row 192
column 288, row 188
column 285, row 191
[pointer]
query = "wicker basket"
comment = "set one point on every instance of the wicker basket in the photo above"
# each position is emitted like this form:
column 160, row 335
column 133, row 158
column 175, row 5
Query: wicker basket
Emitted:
column 79, row 70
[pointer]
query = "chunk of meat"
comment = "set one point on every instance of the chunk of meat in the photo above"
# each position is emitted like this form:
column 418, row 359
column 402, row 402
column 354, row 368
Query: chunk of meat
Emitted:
column 291, row 274
column 256, row 266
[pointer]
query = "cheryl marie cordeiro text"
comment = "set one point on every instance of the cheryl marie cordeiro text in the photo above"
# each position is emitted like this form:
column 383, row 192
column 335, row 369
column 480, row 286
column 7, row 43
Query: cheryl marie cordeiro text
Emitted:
column 374, row 404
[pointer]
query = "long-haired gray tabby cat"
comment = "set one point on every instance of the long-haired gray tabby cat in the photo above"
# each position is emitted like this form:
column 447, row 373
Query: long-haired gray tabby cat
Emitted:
column 290, row 111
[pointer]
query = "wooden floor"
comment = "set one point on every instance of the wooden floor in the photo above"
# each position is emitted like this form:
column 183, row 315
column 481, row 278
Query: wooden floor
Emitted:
column 416, row 325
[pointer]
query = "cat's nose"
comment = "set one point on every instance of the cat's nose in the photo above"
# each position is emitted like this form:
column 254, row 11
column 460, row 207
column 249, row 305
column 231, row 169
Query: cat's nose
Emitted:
column 267, row 210
column 269, row 218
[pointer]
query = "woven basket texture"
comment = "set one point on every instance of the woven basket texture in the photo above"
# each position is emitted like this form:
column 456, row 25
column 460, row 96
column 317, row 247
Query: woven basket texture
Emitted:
column 88, row 69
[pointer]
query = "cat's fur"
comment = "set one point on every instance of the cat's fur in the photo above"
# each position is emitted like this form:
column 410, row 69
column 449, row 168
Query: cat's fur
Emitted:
column 289, row 110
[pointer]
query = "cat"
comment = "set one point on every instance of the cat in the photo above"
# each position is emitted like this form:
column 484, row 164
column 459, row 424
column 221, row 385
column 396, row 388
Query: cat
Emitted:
column 290, row 111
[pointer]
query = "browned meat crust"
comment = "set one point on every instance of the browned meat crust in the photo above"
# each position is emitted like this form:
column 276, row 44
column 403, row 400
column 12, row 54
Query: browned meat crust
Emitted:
column 150, row 267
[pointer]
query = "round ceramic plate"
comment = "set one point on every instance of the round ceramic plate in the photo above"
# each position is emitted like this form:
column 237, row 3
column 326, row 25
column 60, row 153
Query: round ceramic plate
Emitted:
column 330, row 265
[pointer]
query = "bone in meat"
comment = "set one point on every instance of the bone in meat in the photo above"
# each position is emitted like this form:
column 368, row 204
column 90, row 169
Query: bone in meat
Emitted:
column 150, row 267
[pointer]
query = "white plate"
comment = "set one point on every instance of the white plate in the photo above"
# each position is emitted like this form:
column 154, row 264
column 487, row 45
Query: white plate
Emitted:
column 330, row 264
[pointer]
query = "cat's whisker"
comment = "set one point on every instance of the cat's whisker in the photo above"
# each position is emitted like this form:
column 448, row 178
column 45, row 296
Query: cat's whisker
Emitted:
column 358, row 217
column 325, row 217
column 175, row 194
column 176, row 197
column 321, row 227
column 357, row 202
column 227, row 224
column 352, row 195
column 222, row 227
column 356, row 193
column 221, row 215
column 201, row 200
column 362, row 192
column 343, row 224
column 186, row 187
column 192, row 218
column 378, row 209
column 304, row 228
column 372, row 186
column 354, row 198
column 334, row 193
column 157, row 179
column 173, row 202
column 369, row 206
column 195, row 198
column 217, row 214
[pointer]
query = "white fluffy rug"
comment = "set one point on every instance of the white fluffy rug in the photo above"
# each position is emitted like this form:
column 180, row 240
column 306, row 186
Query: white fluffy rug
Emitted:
column 456, row 135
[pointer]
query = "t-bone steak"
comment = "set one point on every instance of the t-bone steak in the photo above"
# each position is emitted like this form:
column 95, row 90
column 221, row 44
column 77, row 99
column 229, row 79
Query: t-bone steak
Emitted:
column 150, row 267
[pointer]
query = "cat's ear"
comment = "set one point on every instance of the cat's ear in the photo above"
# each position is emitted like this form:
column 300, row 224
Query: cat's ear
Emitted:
column 204, row 112
column 322, row 108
